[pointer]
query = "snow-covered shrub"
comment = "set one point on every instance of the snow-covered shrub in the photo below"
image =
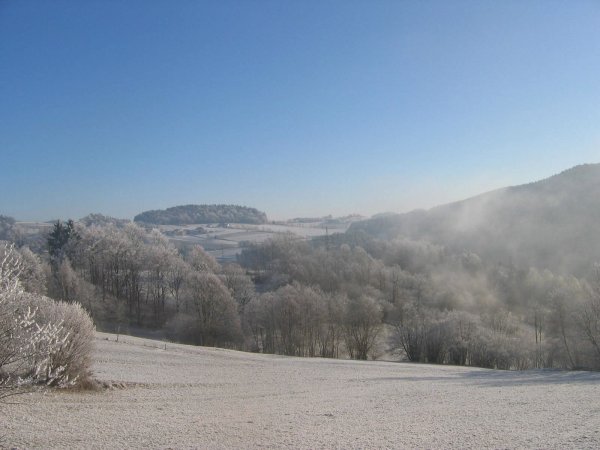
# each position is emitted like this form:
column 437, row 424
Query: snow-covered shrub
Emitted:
column 41, row 341
column 69, row 360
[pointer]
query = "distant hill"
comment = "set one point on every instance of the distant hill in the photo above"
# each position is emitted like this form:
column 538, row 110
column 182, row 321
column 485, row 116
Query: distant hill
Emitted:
column 553, row 223
column 192, row 214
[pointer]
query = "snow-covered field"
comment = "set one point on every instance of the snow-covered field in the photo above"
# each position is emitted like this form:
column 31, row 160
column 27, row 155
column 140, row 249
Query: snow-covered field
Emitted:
column 189, row 397
column 225, row 243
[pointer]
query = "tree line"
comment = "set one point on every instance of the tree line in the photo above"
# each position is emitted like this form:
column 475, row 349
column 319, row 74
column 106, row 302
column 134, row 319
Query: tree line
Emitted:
column 344, row 295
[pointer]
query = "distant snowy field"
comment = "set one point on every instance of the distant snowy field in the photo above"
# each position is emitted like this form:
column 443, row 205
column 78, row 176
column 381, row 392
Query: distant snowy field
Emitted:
column 190, row 397
column 225, row 243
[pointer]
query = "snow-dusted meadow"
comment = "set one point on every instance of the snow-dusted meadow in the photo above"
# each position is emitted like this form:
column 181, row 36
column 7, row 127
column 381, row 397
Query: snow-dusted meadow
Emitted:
column 191, row 397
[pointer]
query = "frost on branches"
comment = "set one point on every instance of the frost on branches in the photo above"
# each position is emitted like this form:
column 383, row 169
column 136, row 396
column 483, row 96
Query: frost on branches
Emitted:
column 42, row 342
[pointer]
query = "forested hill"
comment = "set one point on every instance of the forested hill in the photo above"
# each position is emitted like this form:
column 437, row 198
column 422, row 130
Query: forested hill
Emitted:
column 191, row 214
column 553, row 223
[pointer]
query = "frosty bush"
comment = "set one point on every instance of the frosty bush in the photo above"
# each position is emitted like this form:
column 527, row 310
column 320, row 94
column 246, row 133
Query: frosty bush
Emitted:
column 41, row 342
column 70, row 358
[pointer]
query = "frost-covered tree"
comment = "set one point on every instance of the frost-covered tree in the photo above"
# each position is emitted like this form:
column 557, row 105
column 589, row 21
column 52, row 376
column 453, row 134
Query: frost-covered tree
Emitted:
column 239, row 284
column 215, row 311
column 201, row 261
column 178, row 272
column 33, row 277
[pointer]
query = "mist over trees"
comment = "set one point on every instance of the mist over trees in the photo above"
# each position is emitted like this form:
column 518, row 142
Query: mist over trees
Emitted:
column 548, row 224
column 429, row 304
column 193, row 214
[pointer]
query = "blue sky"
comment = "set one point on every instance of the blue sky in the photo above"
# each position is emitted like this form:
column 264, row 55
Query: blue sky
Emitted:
column 296, row 108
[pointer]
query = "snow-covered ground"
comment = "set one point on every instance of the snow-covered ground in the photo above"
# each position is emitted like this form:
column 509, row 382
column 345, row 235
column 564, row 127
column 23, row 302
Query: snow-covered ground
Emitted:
column 190, row 397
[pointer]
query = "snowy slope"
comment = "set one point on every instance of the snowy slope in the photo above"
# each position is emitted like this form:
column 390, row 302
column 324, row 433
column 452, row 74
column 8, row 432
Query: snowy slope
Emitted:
column 190, row 397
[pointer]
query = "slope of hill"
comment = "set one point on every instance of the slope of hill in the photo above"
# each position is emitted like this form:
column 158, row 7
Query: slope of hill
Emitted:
column 553, row 223
column 193, row 214
column 179, row 396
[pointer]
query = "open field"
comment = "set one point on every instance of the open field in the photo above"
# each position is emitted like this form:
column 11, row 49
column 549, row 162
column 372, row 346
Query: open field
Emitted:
column 226, row 242
column 191, row 397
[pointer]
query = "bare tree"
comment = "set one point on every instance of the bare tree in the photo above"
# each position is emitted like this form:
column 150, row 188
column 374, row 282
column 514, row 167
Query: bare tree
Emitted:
column 239, row 284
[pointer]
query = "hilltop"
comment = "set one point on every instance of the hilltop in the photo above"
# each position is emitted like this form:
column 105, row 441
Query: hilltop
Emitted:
column 194, row 214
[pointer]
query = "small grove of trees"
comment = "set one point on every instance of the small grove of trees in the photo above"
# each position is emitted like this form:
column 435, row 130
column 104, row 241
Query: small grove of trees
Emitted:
column 193, row 214
column 300, row 320
column 212, row 317
column 296, row 320
column 128, row 277
column 441, row 337
column 42, row 342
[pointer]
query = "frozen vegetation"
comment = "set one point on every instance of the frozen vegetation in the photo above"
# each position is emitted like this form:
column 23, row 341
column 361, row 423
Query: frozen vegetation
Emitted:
column 42, row 342
column 192, row 397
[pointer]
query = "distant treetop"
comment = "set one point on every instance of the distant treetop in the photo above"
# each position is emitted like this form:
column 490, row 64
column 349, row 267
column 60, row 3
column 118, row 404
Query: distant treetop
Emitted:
column 6, row 228
column 102, row 220
column 192, row 214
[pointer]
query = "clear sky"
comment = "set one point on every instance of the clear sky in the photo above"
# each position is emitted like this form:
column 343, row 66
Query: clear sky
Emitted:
column 293, row 107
